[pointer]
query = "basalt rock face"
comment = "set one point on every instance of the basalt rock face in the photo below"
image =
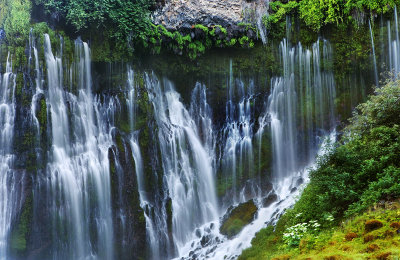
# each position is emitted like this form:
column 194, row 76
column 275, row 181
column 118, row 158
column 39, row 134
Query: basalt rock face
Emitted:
column 183, row 14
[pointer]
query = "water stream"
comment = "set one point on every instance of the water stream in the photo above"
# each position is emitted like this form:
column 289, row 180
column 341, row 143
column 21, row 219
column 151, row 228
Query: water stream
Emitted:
column 9, row 197
column 78, row 172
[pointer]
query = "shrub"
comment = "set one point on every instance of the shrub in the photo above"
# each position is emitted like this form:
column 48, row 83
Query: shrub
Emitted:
column 318, row 13
column 294, row 234
column 15, row 19
column 129, row 19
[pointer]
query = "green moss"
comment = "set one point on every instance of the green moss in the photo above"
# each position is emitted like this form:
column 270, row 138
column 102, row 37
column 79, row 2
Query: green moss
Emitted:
column 20, row 59
column 264, row 154
column 268, row 243
column 42, row 116
column 244, row 41
column 224, row 184
column 202, row 27
column 21, row 232
column 232, row 42
column 120, row 144
column 184, row 45
column 238, row 218
column 19, row 84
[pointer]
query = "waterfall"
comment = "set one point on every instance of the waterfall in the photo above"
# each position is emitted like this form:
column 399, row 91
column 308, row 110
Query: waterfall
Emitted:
column 300, row 115
column 154, row 168
column 8, row 183
column 38, row 80
column 394, row 44
column 187, row 166
column 153, row 225
column 237, row 157
column 304, row 99
column 373, row 54
column 78, row 171
column 261, row 11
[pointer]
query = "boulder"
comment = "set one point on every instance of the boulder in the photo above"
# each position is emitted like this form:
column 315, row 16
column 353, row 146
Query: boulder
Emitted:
column 237, row 218
column 373, row 224
column 271, row 198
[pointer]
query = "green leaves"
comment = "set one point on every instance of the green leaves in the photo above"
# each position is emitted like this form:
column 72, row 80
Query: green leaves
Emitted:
column 317, row 13
column 129, row 19
column 15, row 19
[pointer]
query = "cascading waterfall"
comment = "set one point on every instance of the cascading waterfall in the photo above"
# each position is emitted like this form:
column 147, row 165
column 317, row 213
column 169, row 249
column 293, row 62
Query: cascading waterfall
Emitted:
column 8, row 190
column 261, row 12
column 85, row 191
column 187, row 166
column 305, row 100
column 237, row 158
column 78, row 174
column 38, row 79
column 394, row 44
column 299, row 110
column 156, row 224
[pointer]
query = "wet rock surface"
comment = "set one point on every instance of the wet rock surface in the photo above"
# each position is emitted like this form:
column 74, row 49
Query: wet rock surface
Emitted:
column 271, row 198
column 237, row 218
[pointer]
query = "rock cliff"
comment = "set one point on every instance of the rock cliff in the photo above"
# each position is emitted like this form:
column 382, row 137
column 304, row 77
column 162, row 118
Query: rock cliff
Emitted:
column 183, row 14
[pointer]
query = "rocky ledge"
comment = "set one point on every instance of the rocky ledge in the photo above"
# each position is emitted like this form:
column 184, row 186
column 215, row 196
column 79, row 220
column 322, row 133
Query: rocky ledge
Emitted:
column 181, row 15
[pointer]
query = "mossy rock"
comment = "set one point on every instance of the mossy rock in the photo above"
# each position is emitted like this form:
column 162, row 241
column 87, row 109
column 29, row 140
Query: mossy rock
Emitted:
column 383, row 256
column 395, row 225
column 21, row 231
column 350, row 236
column 373, row 224
column 282, row 257
column 237, row 218
column 334, row 257
column 368, row 238
column 372, row 248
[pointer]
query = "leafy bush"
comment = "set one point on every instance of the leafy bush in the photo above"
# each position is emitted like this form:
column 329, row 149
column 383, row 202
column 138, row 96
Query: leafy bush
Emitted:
column 129, row 19
column 295, row 233
column 380, row 110
column 318, row 13
column 15, row 19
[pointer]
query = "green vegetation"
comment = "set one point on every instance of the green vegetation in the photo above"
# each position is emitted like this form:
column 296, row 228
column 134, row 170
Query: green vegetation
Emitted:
column 237, row 218
column 15, row 19
column 21, row 232
column 204, row 39
column 354, row 239
column 360, row 170
column 316, row 14
column 128, row 19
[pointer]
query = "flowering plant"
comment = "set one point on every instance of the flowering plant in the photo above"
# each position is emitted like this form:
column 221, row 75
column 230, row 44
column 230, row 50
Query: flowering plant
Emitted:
column 295, row 233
